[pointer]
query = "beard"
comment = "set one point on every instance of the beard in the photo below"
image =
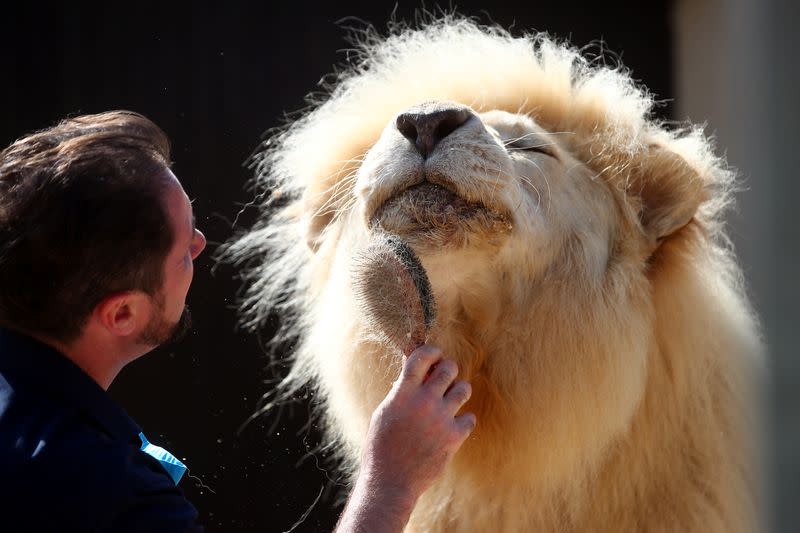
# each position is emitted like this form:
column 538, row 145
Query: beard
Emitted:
column 159, row 331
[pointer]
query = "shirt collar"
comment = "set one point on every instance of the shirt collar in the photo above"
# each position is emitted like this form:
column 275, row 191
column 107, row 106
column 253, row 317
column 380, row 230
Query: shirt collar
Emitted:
column 41, row 369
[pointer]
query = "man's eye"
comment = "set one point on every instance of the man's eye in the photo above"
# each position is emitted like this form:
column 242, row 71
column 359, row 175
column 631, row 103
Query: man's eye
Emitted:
column 530, row 145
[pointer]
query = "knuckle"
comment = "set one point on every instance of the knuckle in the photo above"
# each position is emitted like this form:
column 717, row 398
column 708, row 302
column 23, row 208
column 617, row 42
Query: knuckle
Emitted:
column 421, row 359
column 462, row 391
column 450, row 365
column 465, row 422
column 437, row 381
column 412, row 368
column 427, row 352
column 446, row 371
column 470, row 421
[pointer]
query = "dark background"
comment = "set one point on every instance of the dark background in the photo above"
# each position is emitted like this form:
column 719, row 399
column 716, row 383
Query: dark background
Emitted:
column 215, row 77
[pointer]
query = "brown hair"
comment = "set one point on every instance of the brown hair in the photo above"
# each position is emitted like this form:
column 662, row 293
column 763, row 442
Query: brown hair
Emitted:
column 81, row 217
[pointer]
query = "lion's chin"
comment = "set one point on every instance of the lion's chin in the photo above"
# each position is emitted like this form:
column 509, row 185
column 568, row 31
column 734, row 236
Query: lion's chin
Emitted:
column 433, row 218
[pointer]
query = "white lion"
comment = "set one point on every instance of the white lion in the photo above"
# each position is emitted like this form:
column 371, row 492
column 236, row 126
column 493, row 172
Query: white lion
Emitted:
column 583, row 281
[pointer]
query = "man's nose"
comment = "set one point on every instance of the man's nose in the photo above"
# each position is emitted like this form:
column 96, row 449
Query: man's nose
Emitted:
column 427, row 124
column 198, row 244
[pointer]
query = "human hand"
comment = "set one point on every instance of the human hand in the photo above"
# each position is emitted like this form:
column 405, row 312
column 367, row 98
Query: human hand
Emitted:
column 414, row 432
column 412, row 435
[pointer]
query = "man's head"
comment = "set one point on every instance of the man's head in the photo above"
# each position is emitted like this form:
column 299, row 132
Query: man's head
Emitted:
column 93, row 224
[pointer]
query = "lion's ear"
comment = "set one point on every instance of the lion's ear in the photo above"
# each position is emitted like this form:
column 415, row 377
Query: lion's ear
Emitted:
column 670, row 191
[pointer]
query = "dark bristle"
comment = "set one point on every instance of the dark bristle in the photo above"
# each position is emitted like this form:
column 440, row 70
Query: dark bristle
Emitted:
column 414, row 266
column 392, row 290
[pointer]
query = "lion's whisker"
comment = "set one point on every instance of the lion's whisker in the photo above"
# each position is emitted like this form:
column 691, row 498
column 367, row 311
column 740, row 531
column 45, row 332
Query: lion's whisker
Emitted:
column 547, row 182
column 527, row 180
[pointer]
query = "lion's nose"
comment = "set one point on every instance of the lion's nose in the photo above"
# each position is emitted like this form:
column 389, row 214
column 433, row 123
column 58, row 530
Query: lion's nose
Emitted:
column 427, row 124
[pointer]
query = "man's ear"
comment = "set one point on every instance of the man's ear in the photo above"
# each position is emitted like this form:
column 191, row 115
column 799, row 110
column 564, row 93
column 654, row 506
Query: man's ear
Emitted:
column 670, row 192
column 124, row 313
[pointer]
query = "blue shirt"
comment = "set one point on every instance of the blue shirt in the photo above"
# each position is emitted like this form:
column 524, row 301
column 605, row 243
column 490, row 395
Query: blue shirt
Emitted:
column 70, row 457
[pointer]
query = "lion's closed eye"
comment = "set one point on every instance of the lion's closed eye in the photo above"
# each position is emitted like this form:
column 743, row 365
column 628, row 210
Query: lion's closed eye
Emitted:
column 531, row 145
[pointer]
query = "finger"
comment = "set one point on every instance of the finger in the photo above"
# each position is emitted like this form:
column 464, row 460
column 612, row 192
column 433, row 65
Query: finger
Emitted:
column 419, row 363
column 442, row 376
column 465, row 424
column 457, row 395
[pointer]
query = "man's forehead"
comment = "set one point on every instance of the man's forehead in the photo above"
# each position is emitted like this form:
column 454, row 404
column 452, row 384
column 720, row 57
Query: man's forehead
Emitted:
column 172, row 187
column 169, row 177
column 178, row 206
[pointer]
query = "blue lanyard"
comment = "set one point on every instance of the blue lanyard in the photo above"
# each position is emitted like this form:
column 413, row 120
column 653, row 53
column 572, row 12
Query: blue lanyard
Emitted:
column 171, row 464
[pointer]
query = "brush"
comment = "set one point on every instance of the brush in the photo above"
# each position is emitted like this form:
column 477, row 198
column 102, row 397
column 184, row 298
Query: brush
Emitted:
column 393, row 292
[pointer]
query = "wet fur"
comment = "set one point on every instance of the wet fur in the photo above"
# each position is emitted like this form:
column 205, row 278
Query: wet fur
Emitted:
column 605, row 330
